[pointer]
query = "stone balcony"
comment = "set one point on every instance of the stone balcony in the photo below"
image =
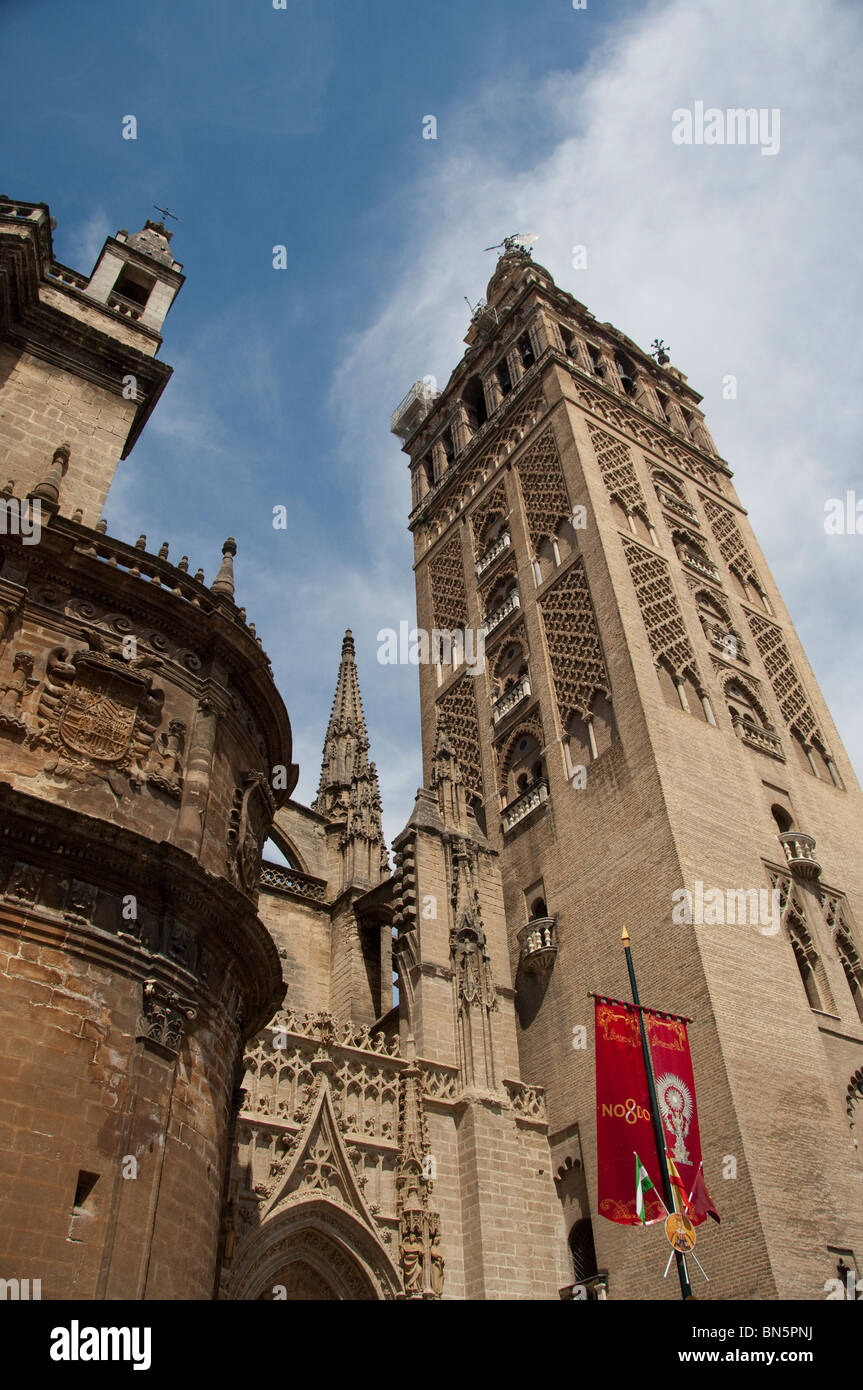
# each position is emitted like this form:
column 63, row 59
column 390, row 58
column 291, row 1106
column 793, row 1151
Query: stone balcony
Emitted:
column 497, row 617
column 800, row 854
column 730, row 644
column 538, row 944
column 758, row 736
column 524, row 804
column 510, row 699
column 700, row 564
column 495, row 550
column 677, row 504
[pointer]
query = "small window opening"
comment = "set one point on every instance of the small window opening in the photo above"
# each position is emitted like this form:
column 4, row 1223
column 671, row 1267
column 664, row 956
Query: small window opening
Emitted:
column 86, row 1183
column 134, row 284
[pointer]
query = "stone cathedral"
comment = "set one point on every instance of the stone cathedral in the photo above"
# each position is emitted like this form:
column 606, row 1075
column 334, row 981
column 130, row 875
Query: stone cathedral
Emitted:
column 353, row 1074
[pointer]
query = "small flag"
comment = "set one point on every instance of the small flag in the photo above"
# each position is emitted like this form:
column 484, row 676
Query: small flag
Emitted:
column 643, row 1185
column 678, row 1190
column 700, row 1202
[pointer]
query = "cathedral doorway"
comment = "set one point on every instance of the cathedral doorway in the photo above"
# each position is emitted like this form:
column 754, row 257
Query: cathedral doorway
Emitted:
column 299, row 1282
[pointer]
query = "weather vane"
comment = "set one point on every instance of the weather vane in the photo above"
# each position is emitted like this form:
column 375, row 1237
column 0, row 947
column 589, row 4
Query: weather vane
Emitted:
column 519, row 241
column 660, row 351
column 166, row 212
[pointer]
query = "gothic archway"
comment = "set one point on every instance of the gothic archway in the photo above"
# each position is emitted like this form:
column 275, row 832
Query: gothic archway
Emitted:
column 311, row 1250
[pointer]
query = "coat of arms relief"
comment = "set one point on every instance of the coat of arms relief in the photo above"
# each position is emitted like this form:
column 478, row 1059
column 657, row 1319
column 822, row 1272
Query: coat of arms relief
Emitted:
column 98, row 714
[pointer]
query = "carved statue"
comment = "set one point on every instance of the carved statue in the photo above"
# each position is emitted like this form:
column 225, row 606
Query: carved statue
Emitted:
column 13, row 693
column 168, row 772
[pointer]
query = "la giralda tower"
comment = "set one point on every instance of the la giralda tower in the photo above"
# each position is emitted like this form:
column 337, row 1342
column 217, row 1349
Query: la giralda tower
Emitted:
column 646, row 722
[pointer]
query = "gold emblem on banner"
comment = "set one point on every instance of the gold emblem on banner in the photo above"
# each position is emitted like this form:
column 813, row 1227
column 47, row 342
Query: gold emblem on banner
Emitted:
column 680, row 1232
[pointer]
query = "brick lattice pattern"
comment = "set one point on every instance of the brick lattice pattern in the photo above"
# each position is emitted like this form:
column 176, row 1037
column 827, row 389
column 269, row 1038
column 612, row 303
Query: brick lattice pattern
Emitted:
column 447, row 585
column 459, row 706
column 618, row 471
column 787, row 686
column 572, row 636
column 660, row 610
column 545, row 498
column 732, row 546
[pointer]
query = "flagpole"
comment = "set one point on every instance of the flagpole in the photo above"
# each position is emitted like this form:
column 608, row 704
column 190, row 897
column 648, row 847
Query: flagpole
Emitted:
column 685, row 1286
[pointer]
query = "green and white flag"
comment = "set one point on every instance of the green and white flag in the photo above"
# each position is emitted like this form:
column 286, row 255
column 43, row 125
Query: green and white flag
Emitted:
column 643, row 1185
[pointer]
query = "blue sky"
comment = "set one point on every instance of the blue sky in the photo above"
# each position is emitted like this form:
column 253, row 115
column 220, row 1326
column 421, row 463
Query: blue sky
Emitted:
column 304, row 127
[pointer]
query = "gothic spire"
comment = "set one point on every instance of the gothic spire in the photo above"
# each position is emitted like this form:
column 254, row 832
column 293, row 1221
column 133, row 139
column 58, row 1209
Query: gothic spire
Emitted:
column 346, row 745
column 348, row 791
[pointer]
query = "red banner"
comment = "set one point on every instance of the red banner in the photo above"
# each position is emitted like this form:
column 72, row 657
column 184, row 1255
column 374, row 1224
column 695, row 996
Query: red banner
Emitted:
column 623, row 1126
column 675, row 1093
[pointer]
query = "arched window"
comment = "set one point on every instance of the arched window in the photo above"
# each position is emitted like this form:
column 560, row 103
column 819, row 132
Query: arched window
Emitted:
column 852, row 966
column 538, row 908
column 692, row 551
column 473, row 396
column 744, row 708
column 626, row 373
column 809, row 963
column 525, row 765
column 525, row 350
column 783, row 819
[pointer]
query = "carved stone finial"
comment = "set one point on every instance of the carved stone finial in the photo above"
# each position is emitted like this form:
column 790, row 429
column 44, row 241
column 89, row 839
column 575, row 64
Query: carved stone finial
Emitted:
column 199, row 575
column 184, row 564
column 49, row 488
column 163, row 550
column 9, row 489
column 101, row 526
column 78, row 515
column 141, row 543
column 224, row 580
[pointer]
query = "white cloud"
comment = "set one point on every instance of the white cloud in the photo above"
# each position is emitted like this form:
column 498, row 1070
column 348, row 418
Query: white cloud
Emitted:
column 746, row 264
column 86, row 239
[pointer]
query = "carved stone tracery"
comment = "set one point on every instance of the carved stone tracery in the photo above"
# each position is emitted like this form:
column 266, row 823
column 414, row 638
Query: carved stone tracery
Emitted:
column 574, row 646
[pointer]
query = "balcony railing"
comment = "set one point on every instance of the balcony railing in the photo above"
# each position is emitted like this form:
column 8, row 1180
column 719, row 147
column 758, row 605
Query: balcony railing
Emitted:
column 496, row 549
column 528, row 801
column 800, row 853
column 538, row 944
column 699, row 563
column 125, row 306
column 496, row 618
column 729, row 643
column 758, row 736
column 677, row 504
column 412, row 410
column 510, row 698
column 276, row 878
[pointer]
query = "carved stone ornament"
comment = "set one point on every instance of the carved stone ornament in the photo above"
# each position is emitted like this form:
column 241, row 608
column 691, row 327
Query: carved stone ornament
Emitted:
column 97, row 714
column 168, row 758
column 164, row 1016
column 251, row 818
column 12, row 694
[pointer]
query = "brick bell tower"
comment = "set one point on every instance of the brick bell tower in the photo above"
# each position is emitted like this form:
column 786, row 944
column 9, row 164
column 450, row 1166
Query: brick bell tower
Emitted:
column 140, row 731
column 646, row 722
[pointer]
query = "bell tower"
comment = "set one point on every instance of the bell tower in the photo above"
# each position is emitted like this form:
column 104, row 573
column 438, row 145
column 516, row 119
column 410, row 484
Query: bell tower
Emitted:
column 647, row 745
column 78, row 353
